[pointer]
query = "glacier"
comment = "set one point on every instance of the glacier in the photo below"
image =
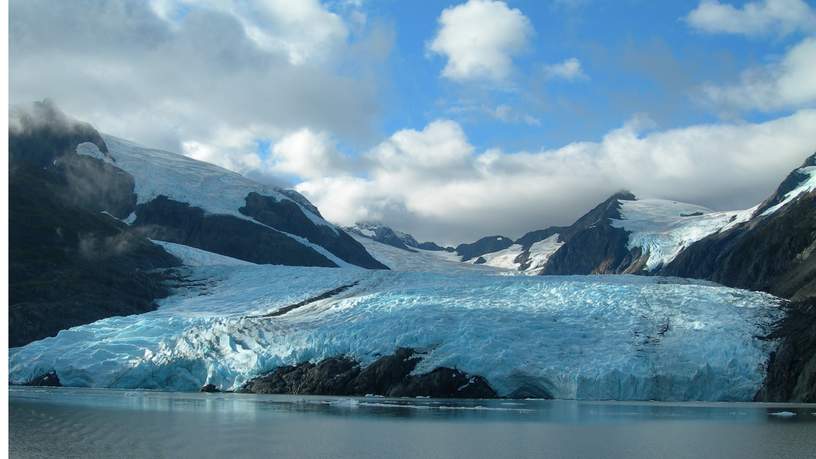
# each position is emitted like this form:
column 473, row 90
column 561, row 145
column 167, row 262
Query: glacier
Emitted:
column 663, row 228
column 576, row 337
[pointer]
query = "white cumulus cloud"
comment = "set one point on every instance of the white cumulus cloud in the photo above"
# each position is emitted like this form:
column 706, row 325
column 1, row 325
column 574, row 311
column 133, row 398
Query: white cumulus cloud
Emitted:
column 305, row 154
column 435, row 184
column 479, row 39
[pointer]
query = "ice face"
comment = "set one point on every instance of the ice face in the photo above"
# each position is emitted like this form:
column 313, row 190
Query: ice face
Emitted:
column 584, row 337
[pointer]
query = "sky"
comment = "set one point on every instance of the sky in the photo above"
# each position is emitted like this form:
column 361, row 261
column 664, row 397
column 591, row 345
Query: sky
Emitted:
column 448, row 120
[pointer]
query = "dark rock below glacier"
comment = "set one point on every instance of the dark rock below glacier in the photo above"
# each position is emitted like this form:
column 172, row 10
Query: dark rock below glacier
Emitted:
column 791, row 375
column 388, row 376
column 49, row 379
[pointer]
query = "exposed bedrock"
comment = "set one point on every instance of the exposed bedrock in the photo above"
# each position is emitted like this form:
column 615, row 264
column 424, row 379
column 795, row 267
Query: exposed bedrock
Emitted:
column 288, row 216
column 387, row 376
column 69, row 263
column 791, row 373
column 173, row 221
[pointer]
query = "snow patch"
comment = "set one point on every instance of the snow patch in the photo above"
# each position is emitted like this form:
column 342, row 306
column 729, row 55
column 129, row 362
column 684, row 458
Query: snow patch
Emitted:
column 505, row 259
column 806, row 186
column 90, row 149
column 541, row 251
column 421, row 260
column 192, row 256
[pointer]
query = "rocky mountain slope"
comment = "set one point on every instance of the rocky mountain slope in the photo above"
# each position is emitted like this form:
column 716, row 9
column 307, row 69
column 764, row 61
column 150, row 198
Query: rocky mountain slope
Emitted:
column 769, row 247
column 385, row 235
column 84, row 208
column 70, row 263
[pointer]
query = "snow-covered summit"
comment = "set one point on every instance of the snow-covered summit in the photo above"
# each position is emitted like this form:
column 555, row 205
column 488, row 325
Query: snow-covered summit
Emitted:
column 387, row 235
column 194, row 203
column 178, row 177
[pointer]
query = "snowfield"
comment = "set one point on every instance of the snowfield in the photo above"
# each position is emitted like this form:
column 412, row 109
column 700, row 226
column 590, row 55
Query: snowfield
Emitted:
column 663, row 229
column 577, row 337
column 422, row 260
column 200, row 184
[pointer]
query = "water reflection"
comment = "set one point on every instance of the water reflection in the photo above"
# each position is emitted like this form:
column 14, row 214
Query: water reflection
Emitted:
column 114, row 423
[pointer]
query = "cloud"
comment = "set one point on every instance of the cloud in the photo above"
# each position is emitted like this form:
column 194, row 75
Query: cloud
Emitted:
column 303, row 30
column 756, row 18
column 787, row 83
column 433, row 182
column 206, row 78
column 570, row 69
column 479, row 39
column 305, row 154
column 507, row 114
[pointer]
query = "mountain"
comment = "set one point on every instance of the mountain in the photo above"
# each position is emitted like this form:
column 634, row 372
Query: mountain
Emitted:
column 71, row 261
column 773, row 251
column 482, row 246
column 84, row 208
column 392, row 237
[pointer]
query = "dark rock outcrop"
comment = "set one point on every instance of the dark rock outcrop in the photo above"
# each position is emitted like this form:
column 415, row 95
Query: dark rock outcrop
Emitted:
column 593, row 246
column 70, row 264
column 388, row 376
column 434, row 247
column 168, row 220
column 443, row 383
column 483, row 246
column 210, row 389
column 288, row 216
column 791, row 375
column 49, row 379
column 385, row 235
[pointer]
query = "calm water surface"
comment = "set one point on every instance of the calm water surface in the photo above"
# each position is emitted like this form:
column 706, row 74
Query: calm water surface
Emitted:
column 60, row 422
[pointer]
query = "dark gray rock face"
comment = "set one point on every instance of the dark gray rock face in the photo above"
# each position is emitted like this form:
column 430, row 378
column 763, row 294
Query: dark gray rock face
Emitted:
column 210, row 388
column 287, row 216
column 593, row 246
column 49, row 379
column 791, row 375
column 69, row 264
column 484, row 245
column 387, row 376
column 41, row 133
column 168, row 220
column 434, row 247
column 443, row 383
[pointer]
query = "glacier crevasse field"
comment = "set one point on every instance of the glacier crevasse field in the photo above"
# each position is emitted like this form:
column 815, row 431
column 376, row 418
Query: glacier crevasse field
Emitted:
column 577, row 337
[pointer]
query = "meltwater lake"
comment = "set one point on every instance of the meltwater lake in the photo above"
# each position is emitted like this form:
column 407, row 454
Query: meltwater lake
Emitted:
column 63, row 422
